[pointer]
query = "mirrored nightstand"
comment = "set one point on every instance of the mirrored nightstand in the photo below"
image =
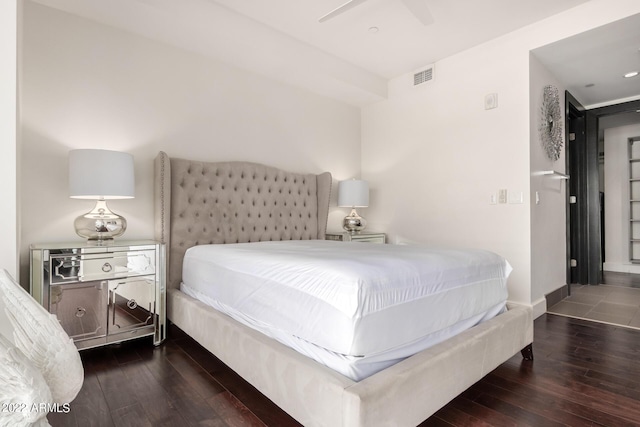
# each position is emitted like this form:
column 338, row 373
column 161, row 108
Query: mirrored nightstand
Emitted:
column 102, row 294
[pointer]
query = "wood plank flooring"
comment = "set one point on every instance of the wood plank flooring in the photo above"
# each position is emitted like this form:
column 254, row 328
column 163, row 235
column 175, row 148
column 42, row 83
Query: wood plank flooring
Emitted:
column 584, row 374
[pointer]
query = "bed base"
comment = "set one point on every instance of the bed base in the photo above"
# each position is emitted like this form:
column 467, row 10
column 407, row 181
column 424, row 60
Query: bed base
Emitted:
column 404, row 394
column 188, row 213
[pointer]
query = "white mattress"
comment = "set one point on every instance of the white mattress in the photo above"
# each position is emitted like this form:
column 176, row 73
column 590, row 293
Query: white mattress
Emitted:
column 355, row 307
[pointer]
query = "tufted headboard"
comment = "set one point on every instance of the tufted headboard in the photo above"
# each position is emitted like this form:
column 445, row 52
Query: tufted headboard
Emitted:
column 233, row 202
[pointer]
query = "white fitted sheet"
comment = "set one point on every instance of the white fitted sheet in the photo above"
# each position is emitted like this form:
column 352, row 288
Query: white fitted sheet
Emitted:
column 364, row 304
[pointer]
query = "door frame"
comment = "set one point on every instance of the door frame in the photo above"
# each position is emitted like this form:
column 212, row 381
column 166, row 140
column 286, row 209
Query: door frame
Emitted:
column 576, row 213
column 588, row 205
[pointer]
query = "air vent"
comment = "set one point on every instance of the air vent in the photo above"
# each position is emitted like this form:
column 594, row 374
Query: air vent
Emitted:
column 423, row 76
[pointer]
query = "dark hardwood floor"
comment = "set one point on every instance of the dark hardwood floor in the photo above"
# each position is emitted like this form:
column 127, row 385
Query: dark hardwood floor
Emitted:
column 584, row 374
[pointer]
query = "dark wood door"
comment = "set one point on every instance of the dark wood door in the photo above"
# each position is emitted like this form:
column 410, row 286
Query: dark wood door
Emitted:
column 575, row 156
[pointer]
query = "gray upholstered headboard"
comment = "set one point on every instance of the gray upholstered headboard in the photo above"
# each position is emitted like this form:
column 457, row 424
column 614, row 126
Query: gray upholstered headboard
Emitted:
column 234, row 202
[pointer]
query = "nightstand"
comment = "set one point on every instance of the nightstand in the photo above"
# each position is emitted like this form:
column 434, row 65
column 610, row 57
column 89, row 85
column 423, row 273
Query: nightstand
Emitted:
column 361, row 236
column 102, row 294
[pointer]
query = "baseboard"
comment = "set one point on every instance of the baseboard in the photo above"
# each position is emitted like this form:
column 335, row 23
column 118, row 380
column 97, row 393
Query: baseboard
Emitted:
column 539, row 307
column 556, row 296
column 551, row 299
column 621, row 267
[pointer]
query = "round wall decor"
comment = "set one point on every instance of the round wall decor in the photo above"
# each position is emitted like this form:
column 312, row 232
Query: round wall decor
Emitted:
column 551, row 123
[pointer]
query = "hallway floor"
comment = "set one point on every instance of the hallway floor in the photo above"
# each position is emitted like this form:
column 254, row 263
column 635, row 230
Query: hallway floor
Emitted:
column 616, row 302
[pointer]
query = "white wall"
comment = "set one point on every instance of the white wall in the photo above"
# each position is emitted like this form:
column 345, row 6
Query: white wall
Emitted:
column 616, row 201
column 8, row 136
column 434, row 155
column 548, row 215
column 86, row 85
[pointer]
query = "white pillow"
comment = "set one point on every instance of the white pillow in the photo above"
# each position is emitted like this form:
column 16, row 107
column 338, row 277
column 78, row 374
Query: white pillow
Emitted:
column 6, row 328
column 24, row 394
column 39, row 335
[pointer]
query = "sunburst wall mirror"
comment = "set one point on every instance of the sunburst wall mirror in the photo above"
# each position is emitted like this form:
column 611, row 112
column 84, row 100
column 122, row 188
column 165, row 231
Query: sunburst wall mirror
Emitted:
column 551, row 123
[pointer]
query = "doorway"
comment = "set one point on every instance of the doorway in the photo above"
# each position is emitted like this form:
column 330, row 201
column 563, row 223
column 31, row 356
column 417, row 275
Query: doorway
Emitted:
column 585, row 207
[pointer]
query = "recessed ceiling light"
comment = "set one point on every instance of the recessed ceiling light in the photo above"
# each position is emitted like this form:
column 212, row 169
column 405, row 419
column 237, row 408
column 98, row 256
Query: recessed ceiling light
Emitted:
column 590, row 85
column 631, row 74
column 373, row 30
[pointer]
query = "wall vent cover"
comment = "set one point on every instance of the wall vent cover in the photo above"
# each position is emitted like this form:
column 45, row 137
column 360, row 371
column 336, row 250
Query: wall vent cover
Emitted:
column 423, row 76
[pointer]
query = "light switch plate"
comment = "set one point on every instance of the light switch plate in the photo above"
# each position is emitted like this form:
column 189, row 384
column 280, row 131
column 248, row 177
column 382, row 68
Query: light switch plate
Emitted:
column 516, row 197
column 491, row 101
column 502, row 195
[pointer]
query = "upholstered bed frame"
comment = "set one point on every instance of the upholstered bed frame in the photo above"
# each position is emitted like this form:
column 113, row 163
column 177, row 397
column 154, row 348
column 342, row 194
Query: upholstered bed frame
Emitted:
column 202, row 203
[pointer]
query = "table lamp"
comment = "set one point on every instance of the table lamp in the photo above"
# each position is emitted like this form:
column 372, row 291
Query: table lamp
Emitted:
column 353, row 194
column 100, row 175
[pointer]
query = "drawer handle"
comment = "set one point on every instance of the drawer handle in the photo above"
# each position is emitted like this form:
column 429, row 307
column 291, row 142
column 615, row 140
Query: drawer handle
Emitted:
column 132, row 304
column 106, row 267
column 80, row 311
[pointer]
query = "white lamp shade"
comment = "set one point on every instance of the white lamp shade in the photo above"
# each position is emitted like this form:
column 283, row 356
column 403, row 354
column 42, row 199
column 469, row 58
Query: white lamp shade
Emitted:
column 353, row 194
column 101, row 174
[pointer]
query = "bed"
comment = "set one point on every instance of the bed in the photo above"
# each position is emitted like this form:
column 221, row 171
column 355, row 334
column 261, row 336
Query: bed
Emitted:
column 235, row 203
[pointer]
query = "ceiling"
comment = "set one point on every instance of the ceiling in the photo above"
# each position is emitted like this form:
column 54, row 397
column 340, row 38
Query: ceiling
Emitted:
column 592, row 64
column 344, row 58
column 402, row 43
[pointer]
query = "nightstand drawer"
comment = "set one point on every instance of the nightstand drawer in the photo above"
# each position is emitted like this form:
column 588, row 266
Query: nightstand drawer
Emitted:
column 369, row 239
column 364, row 237
column 128, row 264
column 84, row 268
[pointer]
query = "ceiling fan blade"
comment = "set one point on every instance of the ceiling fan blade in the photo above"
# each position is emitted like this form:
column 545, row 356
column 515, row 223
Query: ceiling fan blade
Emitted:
column 420, row 9
column 341, row 9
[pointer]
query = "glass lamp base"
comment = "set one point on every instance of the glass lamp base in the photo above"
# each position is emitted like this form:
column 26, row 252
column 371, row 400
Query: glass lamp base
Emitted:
column 100, row 223
column 353, row 222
